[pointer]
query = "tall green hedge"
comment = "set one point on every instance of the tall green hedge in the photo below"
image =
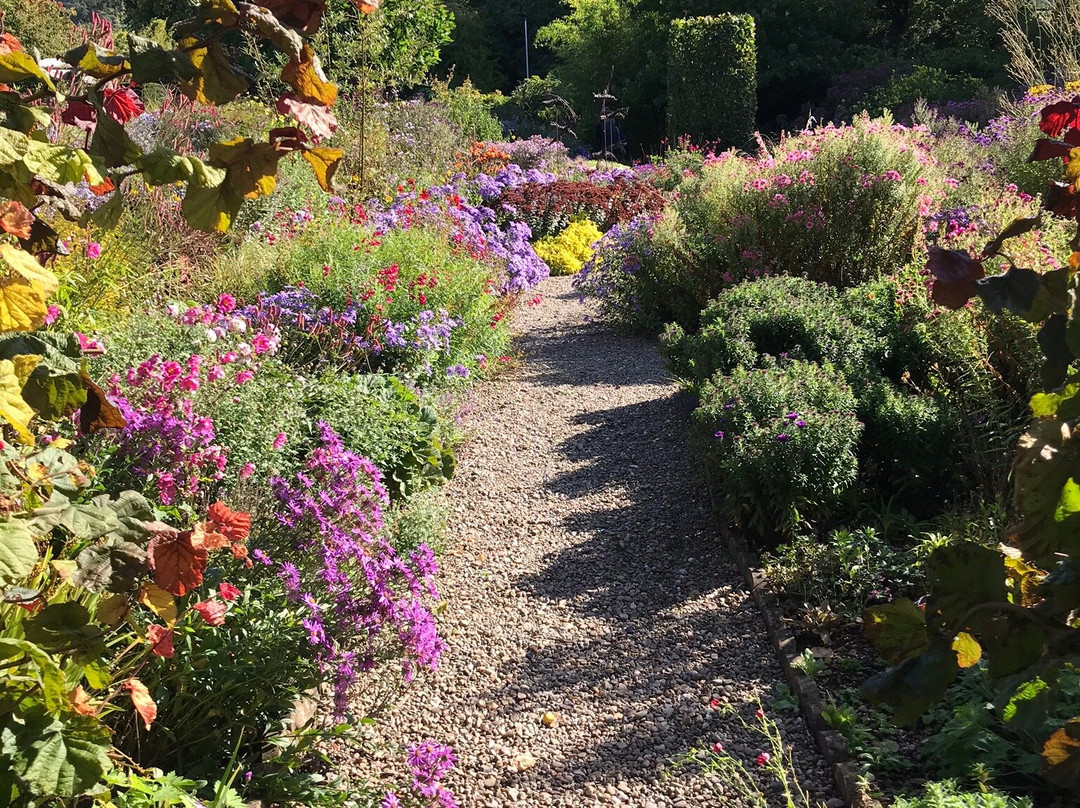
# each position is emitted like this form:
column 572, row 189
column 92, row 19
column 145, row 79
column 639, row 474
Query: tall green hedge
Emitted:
column 712, row 78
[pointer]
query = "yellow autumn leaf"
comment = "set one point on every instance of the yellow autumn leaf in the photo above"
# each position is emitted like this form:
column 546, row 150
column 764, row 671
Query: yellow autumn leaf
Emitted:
column 23, row 305
column 325, row 163
column 160, row 602
column 968, row 650
column 24, row 366
column 26, row 266
column 13, row 408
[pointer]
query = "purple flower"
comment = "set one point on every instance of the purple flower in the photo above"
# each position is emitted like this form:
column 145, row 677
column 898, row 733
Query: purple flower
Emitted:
column 719, row 435
column 783, row 438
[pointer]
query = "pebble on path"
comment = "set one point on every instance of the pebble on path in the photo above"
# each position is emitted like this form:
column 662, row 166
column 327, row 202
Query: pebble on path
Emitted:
column 584, row 578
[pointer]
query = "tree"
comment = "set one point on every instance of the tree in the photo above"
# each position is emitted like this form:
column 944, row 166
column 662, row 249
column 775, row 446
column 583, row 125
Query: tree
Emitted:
column 398, row 46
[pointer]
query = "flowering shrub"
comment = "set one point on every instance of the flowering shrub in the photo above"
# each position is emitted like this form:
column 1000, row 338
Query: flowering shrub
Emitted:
column 364, row 602
column 567, row 252
column 780, row 443
column 548, row 208
column 536, row 152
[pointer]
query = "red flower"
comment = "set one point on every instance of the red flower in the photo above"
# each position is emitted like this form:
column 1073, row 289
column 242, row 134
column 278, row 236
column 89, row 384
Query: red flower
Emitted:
column 763, row 758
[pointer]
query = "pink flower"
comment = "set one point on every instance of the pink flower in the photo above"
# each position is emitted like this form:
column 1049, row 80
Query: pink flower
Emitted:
column 714, row 703
column 718, row 748
column 53, row 314
column 216, row 373
column 279, row 441
column 226, row 303
column 763, row 758
column 760, row 713
column 261, row 344
column 247, row 470
column 88, row 345
column 93, row 250
column 245, row 376
column 229, row 357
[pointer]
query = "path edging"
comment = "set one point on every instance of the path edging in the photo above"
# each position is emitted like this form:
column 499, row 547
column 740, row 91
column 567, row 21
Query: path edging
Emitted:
column 830, row 743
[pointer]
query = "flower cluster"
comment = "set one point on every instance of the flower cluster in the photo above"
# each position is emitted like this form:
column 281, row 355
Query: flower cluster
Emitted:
column 365, row 603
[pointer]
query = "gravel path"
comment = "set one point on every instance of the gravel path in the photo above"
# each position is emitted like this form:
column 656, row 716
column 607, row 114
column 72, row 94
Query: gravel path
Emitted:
column 583, row 577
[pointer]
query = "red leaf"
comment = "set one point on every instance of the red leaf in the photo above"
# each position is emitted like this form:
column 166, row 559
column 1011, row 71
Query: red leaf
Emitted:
column 1049, row 149
column 1060, row 199
column 177, row 564
column 80, row 701
column 304, row 15
column 161, row 640
column 145, row 706
column 1060, row 117
column 205, row 536
column 212, row 611
column 228, row 591
column 16, row 219
column 80, row 114
column 234, row 524
column 8, row 44
column 318, row 118
column 121, row 104
column 954, row 294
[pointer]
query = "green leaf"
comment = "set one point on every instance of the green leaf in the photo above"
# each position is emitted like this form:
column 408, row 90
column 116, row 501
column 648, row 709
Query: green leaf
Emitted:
column 210, row 207
column 47, row 672
column 897, row 630
column 1012, row 644
column 962, row 576
column 63, row 470
column 111, row 142
column 1026, row 293
column 96, row 62
column 18, row 66
column 1064, row 404
column 133, row 511
column 1027, row 707
column 65, row 628
column 215, row 82
column 1045, row 463
column 88, row 521
column 151, row 63
column 116, row 566
column 54, row 396
column 915, row 684
column 18, row 553
column 61, row 165
column 63, row 758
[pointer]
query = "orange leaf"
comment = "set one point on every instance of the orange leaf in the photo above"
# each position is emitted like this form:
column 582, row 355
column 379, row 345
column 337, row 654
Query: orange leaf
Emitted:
column 228, row 591
column 16, row 219
column 308, row 80
column 177, row 564
column 234, row 524
column 204, row 536
column 161, row 640
column 8, row 44
column 80, row 700
column 145, row 706
column 212, row 611
column 318, row 118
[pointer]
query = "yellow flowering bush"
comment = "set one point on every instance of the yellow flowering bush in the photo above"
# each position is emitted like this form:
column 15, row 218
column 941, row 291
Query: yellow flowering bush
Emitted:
column 567, row 252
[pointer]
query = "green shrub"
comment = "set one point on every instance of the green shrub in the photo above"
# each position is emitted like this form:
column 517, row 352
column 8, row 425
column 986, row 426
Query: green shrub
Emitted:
column 923, row 83
column 948, row 794
column 41, row 25
column 712, row 78
column 379, row 417
column 470, row 110
column 780, row 443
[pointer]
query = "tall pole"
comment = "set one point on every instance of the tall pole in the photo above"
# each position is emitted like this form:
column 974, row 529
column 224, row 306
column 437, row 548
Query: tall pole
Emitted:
column 526, row 47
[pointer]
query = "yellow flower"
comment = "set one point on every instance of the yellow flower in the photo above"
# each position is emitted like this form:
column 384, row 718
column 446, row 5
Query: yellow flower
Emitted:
column 1072, row 86
column 1040, row 90
column 568, row 252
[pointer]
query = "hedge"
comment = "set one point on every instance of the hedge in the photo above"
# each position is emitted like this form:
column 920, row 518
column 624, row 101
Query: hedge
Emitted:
column 712, row 79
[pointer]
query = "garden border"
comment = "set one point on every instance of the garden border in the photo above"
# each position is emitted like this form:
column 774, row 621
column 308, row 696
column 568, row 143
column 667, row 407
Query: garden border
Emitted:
column 830, row 743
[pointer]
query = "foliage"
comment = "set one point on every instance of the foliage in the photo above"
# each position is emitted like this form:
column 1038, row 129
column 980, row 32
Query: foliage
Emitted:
column 567, row 252
column 948, row 794
column 470, row 110
column 927, row 83
column 712, row 79
column 839, row 206
column 549, row 207
column 782, row 440
column 393, row 49
column 44, row 26
column 1011, row 606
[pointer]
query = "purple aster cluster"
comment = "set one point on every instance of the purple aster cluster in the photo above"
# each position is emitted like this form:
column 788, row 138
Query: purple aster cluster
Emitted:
column 429, row 762
column 370, row 601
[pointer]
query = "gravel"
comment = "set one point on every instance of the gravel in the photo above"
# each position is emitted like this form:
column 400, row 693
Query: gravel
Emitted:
column 584, row 579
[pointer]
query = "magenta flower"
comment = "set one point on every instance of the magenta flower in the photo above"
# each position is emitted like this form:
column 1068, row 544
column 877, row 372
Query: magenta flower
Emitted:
column 280, row 441
column 226, row 303
column 93, row 250
column 245, row 376
column 718, row 748
column 783, row 437
column 763, row 758
column 247, row 470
